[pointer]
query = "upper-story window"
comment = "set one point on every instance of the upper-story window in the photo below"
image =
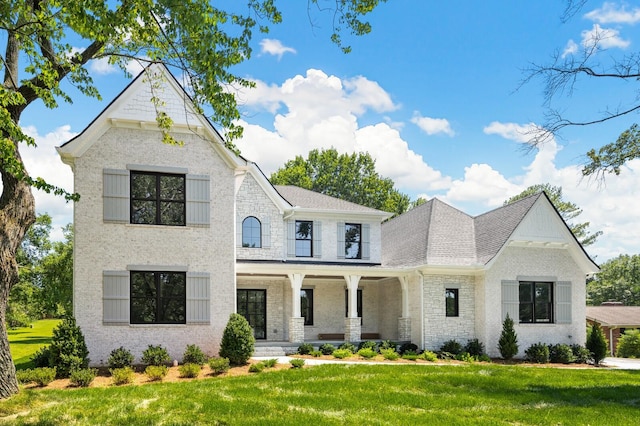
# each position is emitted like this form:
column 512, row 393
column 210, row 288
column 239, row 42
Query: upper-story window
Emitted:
column 158, row 198
column 536, row 302
column 352, row 241
column 251, row 232
column 304, row 238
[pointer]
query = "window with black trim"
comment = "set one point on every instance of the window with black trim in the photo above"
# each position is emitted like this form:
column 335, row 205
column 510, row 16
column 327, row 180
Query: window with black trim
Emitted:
column 158, row 198
column 158, row 297
column 251, row 232
column 352, row 241
column 306, row 305
column 304, row 238
column 452, row 302
column 536, row 302
column 358, row 303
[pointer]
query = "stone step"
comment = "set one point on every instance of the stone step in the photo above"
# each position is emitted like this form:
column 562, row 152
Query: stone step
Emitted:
column 269, row 351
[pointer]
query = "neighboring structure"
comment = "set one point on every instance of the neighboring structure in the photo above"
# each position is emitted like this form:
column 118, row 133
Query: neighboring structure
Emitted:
column 614, row 318
column 169, row 240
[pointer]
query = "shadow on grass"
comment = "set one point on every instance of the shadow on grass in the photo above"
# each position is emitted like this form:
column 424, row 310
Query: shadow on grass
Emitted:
column 36, row 340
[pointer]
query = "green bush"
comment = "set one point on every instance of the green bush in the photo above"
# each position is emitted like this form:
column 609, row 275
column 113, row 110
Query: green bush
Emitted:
column 256, row 368
column 155, row 355
column 388, row 344
column 474, row 347
column 429, row 356
column 629, row 344
column 451, row 346
column 508, row 342
column 368, row 344
column 561, row 354
column 219, row 365
column 122, row 376
column 297, row 363
column 189, row 371
column 68, row 350
column 367, row 353
column 580, row 354
column 342, row 353
column 410, row 355
column 270, row 363
column 316, row 354
column 597, row 343
column 408, row 347
column 194, row 355
column 120, row 358
column 83, row 377
column 42, row 357
column 156, row 373
column 538, row 353
column 349, row 346
column 390, row 354
column 237, row 341
column 465, row 357
column 305, row 349
column 41, row 376
column 327, row 348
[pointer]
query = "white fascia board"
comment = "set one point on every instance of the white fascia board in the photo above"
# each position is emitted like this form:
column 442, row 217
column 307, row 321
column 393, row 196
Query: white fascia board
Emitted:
column 340, row 214
column 474, row 270
column 285, row 268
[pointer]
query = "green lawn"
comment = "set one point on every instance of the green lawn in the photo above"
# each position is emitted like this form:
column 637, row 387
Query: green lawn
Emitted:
column 351, row 395
column 24, row 342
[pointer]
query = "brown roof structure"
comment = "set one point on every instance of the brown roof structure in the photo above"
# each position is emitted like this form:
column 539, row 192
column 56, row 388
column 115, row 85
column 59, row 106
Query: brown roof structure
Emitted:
column 615, row 315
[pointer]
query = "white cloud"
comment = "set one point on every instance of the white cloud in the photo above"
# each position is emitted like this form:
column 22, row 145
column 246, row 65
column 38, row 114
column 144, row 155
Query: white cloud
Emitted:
column 432, row 126
column 610, row 13
column 274, row 47
column 603, row 38
column 102, row 66
column 522, row 133
column 570, row 48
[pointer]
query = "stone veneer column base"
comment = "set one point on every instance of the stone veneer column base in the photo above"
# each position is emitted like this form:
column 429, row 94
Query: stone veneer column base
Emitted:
column 352, row 329
column 404, row 329
column 296, row 329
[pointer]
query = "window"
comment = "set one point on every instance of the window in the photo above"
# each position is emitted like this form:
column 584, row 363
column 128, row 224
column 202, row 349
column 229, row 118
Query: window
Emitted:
column 358, row 303
column 158, row 198
column 306, row 305
column 304, row 238
column 158, row 297
column 251, row 232
column 536, row 302
column 352, row 241
column 451, row 302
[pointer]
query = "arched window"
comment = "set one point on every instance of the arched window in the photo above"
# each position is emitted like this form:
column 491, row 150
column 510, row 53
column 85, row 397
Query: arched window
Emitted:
column 251, row 232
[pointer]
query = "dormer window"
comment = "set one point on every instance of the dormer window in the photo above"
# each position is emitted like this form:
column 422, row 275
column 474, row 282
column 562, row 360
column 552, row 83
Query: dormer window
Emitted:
column 251, row 232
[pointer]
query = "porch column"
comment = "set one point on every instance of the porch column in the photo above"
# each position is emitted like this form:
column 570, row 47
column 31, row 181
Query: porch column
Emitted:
column 296, row 321
column 352, row 326
column 404, row 322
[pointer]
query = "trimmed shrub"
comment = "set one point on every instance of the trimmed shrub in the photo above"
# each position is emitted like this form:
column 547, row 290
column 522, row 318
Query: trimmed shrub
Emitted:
column 390, row 354
column 42, row 357
column 270, row 363
column 451, row 346
column 327, row 348
column 122, row 376
column 68, row 350
column 219, row 365
column 342, row 353
column 429, row 356
column 508, row 342
column 156, row 373
column 368, row 344
column 388, row 344
column 297, row 363
column 408, row 347
column 189, row 371
column 316, row 354
column 305, row 349
column 474, row 347
column 629, row 344
column 194, row 355
column 155, row 355
column 465, row 357
column 83, row 378
column 483, row 358
column 256, row 368
column 597, row 343
column 561, row 354
column 410, row 355
column 580, row 354
column 120, row 358
column 538, row 352
column 349, row 346
column 367, row 353
column 41, row 376
column 237, row 341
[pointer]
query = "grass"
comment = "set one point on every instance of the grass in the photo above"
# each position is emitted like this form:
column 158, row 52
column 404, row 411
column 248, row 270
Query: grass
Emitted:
column 351, row 395
column 25, row 341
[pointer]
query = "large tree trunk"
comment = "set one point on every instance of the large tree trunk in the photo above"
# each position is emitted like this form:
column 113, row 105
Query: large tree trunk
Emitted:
column 17, row 213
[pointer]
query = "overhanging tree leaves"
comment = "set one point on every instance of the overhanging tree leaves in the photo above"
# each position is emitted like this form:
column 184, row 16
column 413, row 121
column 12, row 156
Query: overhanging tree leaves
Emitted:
column 567, row 210
column 618, row 280
column 351, row 177
column 47, row 42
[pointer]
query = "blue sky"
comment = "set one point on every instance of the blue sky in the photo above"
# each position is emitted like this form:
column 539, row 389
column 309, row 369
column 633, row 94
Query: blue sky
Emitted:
column 434, row 94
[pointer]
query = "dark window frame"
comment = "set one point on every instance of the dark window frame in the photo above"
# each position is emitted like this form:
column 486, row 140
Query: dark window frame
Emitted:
column 246, row 238
column 307, row 311
column 159, row 299
column 258, row 311
column 159, row 202
column 349, row 244
column 536, row 310
column 452, row 302
column 308, row 238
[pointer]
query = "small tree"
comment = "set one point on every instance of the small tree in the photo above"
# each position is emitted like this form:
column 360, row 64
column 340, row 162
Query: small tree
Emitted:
column 596, row 343
column 508, row 343
column 237, row 340
column 68, row 350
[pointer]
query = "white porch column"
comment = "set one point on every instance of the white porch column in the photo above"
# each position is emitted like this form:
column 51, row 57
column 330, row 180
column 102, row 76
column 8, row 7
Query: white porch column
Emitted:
column 404, row 322
column 352, row 326
column 296, row 321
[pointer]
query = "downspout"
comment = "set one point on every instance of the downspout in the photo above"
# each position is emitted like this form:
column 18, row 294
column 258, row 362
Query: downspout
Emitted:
column 422, row 324
column 611, row 341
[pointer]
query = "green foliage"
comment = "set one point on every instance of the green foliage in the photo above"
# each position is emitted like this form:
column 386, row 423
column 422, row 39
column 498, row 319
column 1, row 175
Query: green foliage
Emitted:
column 408, row 347
column 305, row 349
column 194, row 355
column 429, row 356
column 567, row 210
column 474, row 347
column 452, row 346
column 219, row 365
column 466, row 357
column 538, row 353
column 580, row 354
column 561, row 353
column 189, row 371
column 367, row 353
column 348, row 346
column 256, row 368
column 68, row 350
column 618, row 280
column 237, row 340
column 350, row 177
column 368, row 344
column 508, row 342
column 155, row 355
column 611, row 157
column 597, row 343
column 388, row 344
column 327, row 348
column 83, row 377
column 316, row 354
column 40, row 376
column 342, row 353
column 389, row 354
column 42, row 357
column 410, row 355
column 119, row 358
column 156, row 373
column 297, row 363
column 122, row 376
column 270, row 363
column 629, row 344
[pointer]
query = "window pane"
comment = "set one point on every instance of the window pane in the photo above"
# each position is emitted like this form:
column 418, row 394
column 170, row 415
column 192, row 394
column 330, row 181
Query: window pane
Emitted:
column 143, row 212
column 543, row 292
column 525, row 292
column 158, row 297
column 251, row 232
column 451, row 298
column 303, row 230
column 143, row 285
column 303, row 248
column 543, row 312
column 526, row 312
column 171, row 188
column 352, row 234
column 143, row 186
column 143, row 311
column 172, row 213
column 306, row 306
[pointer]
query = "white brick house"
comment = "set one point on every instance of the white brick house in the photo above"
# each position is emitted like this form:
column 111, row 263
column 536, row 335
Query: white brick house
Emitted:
column 170, row 240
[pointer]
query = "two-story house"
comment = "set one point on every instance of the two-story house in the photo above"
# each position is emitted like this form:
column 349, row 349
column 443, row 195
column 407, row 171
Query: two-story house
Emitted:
column 171, row 239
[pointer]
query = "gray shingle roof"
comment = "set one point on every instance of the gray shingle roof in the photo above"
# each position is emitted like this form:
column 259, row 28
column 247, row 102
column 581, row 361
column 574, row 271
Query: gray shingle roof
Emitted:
column 615, row 315
column 305, row 198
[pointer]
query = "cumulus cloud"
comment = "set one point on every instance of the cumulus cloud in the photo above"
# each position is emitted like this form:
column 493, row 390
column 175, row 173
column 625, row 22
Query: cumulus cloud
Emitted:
column 610, row 13
column 274, row 47
column 432, row 126
column 570, row 48
column 603, row 38
column 522, row 133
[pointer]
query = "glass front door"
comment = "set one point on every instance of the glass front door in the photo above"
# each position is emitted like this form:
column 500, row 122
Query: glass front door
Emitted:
column 252, row 304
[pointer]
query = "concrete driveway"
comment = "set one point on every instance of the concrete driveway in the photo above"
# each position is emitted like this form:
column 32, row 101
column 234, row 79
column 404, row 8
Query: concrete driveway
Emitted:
column 622, row 363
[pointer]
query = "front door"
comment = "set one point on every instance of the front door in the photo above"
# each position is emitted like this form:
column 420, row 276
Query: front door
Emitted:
column 252, row 304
